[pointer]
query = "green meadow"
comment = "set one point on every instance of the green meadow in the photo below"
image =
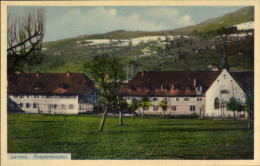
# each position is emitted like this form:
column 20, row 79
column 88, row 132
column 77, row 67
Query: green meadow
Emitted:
column 141, row 138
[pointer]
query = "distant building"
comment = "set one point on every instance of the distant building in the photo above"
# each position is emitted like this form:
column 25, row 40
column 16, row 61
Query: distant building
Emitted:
column 213, row 66
column 51, row 93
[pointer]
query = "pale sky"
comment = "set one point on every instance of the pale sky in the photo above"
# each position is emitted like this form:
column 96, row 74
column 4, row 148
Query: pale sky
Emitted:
column 69, row 22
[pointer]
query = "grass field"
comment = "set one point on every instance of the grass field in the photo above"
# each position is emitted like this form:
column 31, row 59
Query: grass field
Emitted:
column 143, row 138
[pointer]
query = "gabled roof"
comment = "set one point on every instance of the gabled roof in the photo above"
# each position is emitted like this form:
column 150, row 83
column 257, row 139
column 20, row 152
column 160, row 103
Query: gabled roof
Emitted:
column 170, row 83
column 245, row 80
column 50, row 83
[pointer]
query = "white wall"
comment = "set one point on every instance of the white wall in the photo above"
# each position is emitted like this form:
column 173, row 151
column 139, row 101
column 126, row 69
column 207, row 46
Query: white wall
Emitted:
column 61, row 105
column 182, row 107
column 223, row 82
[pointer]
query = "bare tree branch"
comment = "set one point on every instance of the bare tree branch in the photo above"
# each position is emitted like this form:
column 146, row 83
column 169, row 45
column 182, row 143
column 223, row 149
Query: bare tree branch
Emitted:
column 25, row 32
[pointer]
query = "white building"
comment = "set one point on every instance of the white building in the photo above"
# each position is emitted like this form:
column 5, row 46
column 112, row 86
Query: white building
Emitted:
column 204, row 93
column 51, row 93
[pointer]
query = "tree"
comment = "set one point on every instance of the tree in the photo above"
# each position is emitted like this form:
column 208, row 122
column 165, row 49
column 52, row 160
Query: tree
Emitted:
column 25, row 32
column 249, row 108
column 123, row 105
column 134, row 106
column 145, row 103
column 234, row 105
column 130, row 43
column 108, row 75
column 163, row 104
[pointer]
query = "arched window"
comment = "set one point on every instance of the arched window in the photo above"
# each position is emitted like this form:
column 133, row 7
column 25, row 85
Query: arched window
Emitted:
column 216, row 103
column 224, row 92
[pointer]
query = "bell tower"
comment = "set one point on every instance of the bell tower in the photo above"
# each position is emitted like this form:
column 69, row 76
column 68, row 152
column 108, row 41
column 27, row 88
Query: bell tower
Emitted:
column 225, row 61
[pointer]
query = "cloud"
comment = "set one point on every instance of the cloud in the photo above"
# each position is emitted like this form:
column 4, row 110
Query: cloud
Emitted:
column 185, row 20
column 76, row 22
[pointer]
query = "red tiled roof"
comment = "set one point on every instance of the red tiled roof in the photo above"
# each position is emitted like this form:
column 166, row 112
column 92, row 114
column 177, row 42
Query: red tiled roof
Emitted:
column 50, row 83
column 171, row 83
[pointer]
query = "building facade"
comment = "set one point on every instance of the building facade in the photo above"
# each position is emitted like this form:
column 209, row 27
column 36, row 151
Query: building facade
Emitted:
column 204, row 93
column 51, row 93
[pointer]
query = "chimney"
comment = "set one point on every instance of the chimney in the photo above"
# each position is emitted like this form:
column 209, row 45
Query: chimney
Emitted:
column 142, row 73
column 194, row 82
column 37, row 74
column 67, row 74
column 161, row 87
column 172, row 87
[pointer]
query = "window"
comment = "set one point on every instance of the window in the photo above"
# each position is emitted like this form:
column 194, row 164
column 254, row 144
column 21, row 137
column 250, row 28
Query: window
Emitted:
column 224, row 92
column 51, row 106
column 192, row 108
column 177, row 98
column 198, row 88
column 63, row 106
column 34, row 105
column 165, row 99
column 186, row 99
column 155, row 108
column 27, row 96
column 216, row 103
column 27, row 105
column 71, row 106
column 21, row 96
column 145, row 108
column 55, row 106
column 154, row 99
column 199, row 99
column 21, row 105
column 173, row 108
column 15, row 96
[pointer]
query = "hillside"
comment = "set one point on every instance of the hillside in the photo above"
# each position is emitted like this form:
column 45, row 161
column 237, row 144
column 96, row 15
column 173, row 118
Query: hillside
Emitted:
column 206, row 27
column 188, row 48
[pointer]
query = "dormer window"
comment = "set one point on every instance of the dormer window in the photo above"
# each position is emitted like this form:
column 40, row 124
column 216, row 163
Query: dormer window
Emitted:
column 63, row 85
column 37, row 85
column 198, row 89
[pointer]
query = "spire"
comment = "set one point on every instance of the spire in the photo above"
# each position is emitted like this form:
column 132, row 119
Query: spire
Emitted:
column 225, row 61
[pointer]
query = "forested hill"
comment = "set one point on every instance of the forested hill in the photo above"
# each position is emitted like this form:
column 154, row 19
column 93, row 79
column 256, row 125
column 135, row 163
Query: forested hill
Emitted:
column 190, row 48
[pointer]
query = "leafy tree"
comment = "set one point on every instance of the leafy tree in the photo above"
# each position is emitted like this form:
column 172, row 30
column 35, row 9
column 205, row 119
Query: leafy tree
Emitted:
column 145, row 103
column 134, row 106
column 234, row 105
column 25, row 32
column 249, row 108
column 108, row 75
column 163, row 104
column 130, row 43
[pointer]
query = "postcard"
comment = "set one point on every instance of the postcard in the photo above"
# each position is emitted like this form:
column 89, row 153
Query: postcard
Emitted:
column 131, row 82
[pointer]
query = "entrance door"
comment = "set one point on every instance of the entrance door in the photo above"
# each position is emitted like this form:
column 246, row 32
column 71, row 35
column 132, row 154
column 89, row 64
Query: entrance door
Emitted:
column 201, row 112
